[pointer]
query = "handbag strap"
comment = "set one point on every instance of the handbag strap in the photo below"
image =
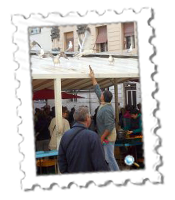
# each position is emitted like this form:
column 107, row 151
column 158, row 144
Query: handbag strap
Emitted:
column 54, row 128
column 75, row 134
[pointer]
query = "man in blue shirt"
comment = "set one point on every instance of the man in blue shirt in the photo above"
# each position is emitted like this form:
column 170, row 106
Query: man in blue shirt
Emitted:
column 80, row 149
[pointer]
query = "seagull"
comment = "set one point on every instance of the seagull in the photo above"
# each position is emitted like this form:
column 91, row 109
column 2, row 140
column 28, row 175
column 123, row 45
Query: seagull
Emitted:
column 130, row 49
column 41, row 52
column 34, row 43
column 62, row 54
column 56, row 59
column 111, row 60
column 70, row 45
column 85, row 45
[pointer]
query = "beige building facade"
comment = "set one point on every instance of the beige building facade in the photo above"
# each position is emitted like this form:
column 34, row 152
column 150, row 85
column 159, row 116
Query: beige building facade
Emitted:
column 110, row 38
column 114, row 38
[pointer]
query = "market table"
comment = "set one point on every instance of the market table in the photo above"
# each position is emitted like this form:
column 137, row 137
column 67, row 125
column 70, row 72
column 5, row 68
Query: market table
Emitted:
column 128, row 142
column 42, row 154
column 119, row 143
column 131, row 142
column 46, row 162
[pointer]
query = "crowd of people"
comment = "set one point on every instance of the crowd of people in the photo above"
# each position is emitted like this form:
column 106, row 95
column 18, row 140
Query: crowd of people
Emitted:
column 130, row 119
column 85, row 144
column 46, row 137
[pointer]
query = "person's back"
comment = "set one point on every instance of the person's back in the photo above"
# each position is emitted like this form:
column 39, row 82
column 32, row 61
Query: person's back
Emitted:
column 42, row 128
column 70, row 118
column 55, row 138
column 80, row 150
column 42, row 133
column 105, row 119
column 81, row 154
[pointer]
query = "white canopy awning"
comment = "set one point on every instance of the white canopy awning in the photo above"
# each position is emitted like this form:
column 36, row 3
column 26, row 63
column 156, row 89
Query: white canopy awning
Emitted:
column 74, row 73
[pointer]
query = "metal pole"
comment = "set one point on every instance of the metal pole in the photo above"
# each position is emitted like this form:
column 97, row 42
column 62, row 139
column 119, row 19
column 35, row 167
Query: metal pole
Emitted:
column 90, row 102
column 124, row 96
column 116, row 103
column 58, row 104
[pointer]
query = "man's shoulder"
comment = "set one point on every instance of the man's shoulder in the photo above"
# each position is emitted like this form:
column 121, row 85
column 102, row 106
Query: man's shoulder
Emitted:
column 91, row 134
column 107, row 109
column 85, row 133
column 68, row 132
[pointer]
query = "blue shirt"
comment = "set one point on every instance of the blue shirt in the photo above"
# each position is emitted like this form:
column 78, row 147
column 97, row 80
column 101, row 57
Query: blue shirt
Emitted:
column 84, row 154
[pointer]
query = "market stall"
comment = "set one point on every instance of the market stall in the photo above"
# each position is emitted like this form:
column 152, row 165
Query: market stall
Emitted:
column 73, row 74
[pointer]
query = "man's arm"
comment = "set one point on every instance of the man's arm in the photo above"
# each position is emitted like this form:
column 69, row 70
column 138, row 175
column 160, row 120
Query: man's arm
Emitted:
column 94, row 81
column 95, row 84
column 105, row 134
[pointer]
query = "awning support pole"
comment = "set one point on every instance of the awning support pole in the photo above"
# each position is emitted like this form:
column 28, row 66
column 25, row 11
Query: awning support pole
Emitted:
column 58, row 104
column 116, row 103
column 124, row 96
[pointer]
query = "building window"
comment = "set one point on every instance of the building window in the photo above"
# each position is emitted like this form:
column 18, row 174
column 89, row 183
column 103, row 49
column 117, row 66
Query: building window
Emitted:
column 34, row 31
column 129, row 37
column 103, row 47
column 101, row 40
column 130, row 94
column 69, row 37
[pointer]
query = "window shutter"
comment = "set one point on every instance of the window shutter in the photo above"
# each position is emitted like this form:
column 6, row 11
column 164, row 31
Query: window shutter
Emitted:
column 102, row 35
column 128, row 29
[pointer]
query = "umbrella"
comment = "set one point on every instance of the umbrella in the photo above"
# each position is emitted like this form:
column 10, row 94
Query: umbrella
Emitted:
column 49, row 94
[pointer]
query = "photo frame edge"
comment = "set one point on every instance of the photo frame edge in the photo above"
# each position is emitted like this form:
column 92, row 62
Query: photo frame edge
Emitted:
column 158, row 57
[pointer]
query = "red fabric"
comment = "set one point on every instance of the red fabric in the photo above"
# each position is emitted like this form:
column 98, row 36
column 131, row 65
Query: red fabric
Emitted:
column 127, row 114
column 49, row 94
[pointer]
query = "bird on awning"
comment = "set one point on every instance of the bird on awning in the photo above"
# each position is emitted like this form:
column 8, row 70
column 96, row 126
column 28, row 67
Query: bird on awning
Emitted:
column 55, row 58
column 85, row 45
column 111, row 60
column 41, row 52
column 33, row 43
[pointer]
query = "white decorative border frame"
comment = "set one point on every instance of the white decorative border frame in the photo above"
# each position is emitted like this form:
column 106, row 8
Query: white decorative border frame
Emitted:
column 148, row 88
